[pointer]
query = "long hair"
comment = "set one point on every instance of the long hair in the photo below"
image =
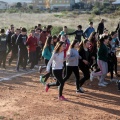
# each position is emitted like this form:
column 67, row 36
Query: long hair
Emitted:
column 57, row 47
column 81, row 46
column 48, row 43
column 102, row 39
column 73, row 44
column 92, row 37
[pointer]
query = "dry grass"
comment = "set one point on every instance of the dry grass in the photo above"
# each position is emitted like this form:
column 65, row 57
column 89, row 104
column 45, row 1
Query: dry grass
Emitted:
column 71, row 20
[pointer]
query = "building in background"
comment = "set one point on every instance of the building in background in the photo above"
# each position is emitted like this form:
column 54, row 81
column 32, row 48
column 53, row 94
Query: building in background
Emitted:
column 41, row 4
column 3, row 5
column 53, row 4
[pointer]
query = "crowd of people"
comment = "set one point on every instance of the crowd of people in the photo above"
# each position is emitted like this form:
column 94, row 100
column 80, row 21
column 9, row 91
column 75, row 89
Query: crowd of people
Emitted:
column 92, row 52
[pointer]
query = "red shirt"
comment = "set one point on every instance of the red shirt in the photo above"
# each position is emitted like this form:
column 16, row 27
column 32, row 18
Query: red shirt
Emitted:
column 43, row 37
column 32, row 43
column 66, row 49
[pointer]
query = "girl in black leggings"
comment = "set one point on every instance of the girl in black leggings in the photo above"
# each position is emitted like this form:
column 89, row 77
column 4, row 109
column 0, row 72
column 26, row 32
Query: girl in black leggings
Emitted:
column 85, row 62
column 72, row 63
column 57, row 60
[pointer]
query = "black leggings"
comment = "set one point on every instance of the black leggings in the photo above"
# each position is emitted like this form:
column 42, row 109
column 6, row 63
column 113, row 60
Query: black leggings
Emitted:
column 75, row 70
column 46, row 76
column 111, row 68
column 86, row 74
column 59, row 80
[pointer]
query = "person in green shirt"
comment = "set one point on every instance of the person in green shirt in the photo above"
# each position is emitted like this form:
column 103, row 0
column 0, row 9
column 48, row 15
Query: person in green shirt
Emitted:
column 102, row 59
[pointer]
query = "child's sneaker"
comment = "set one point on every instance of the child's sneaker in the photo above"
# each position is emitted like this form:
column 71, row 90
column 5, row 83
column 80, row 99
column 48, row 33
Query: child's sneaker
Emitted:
column 105, row 83
column 101, row 85
column 47, row 88
column 42, row 80
column 62, row 98
column 79, row 91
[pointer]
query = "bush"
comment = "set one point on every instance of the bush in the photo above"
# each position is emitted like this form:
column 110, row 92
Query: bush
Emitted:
column 96, row 11
column 56, row 30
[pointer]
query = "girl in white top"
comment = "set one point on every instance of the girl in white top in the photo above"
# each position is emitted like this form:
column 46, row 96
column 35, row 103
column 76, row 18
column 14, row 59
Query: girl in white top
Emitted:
column 57, row 60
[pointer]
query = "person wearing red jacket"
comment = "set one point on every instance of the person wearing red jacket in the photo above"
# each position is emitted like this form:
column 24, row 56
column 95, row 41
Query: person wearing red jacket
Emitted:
column 43, row 36
column 32, row 43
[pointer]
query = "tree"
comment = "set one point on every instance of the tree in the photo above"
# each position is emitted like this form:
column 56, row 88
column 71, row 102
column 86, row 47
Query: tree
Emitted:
column 19, row 5
column 31, row 7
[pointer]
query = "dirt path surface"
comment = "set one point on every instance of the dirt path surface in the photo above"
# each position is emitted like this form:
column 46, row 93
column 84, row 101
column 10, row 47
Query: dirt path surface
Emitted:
column 24, row 98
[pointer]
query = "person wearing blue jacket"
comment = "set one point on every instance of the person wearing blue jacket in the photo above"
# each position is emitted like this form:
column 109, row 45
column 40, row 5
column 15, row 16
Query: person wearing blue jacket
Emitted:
column 89, row 30
column 47, row 53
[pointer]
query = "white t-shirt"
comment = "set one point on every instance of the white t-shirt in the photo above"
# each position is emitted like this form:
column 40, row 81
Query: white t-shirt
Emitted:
column 56, row 60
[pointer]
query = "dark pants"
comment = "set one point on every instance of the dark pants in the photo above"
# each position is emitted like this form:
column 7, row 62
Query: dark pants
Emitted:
column 119, row 34
column 22, row 58
column 46, row 76
column 3, row 58
column 14, row 54
column 86, row 74
column 115, row 63
column 111, row 68
column 64, row 68
column 9, row 49
column 38, row 52
column 32, row 58
column 75, row 70
column 59, row 80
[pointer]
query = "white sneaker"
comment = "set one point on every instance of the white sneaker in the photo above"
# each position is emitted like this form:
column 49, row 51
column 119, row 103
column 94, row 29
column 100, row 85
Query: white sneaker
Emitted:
column 91, row 76
column 105, row 83
column 32, row 69
column 101, row 85
column 36, row 66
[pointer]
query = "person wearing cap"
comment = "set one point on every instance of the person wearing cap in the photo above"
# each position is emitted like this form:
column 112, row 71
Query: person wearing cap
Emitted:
column 89, row 30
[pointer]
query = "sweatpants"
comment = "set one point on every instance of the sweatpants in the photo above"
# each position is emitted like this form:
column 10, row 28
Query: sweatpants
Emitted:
column 75, row 70
column 22, row 58
column 9, row 49
column 13, row 54
column 3, row 58
column 59, row 80
column 32, row 58
column 103, row 71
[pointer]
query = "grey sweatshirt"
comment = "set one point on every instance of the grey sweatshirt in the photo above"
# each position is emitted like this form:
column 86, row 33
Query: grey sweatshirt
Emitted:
column 3, row 43
column 72, row 57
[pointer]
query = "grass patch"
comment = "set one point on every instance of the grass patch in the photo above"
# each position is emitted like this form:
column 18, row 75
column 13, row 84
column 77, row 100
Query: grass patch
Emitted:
column 59, row 16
